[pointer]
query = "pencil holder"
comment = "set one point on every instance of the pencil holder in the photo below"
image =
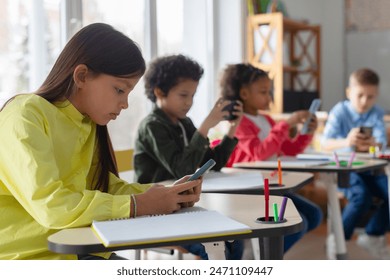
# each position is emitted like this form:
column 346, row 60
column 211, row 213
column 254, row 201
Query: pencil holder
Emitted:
column 262, row 220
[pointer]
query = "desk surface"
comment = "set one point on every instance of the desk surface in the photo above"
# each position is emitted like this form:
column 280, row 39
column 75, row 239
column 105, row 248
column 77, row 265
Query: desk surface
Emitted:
column 243, row 208
column 291, row 182
column 369, row 164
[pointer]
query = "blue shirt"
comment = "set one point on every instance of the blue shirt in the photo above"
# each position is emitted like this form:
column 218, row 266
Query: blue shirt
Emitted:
column 343, row 117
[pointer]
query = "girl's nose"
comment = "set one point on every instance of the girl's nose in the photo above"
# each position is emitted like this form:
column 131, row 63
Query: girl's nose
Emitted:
column 124, row 103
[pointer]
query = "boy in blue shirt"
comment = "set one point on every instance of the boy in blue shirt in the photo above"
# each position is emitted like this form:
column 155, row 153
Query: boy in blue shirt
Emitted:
column 342, row 133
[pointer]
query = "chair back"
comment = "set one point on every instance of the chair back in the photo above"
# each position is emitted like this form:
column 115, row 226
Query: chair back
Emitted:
column 124, row 159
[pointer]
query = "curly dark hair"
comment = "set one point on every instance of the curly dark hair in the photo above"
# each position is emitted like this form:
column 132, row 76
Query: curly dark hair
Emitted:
column 236, row 76
column 166, row 72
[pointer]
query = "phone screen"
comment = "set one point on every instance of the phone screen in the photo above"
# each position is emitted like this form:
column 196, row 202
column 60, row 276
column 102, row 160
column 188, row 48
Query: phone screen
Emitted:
column 315, row 105
column 366, row 130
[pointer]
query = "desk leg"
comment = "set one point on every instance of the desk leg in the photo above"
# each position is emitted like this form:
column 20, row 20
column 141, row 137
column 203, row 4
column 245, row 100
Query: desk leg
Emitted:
column 255, row 248
column 137, row 254
column 215, row 250
column 335, row 221
column 271, row 248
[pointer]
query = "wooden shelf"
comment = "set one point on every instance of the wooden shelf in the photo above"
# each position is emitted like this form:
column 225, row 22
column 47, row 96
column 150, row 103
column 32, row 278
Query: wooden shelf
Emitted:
column 288, row 50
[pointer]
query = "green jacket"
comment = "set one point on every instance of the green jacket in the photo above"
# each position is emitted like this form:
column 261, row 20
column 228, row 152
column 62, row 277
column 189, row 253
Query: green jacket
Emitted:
column 160, row 153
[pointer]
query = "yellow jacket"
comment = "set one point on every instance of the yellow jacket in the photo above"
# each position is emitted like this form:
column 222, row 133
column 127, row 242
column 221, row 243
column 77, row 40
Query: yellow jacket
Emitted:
column 47, row 161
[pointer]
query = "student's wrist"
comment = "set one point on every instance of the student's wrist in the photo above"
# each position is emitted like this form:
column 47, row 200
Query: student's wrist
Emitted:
column 203, row 131
column 133, row 206
column 231, row 132
column 141, row 211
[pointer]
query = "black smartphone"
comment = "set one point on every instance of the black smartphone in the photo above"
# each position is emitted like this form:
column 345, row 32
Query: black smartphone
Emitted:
column 230, row 109
column 366, row 130
column 205, row 167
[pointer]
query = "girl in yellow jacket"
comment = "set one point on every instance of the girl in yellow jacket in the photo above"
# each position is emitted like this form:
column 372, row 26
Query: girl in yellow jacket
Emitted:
column 57, row 168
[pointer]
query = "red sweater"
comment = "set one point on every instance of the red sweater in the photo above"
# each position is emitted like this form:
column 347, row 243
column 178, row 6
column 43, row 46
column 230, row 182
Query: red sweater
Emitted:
column 278, row 142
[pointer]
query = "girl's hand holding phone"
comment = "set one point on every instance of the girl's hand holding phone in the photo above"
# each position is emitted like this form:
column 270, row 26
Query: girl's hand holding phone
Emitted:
column 193, row 191
column 162, row 200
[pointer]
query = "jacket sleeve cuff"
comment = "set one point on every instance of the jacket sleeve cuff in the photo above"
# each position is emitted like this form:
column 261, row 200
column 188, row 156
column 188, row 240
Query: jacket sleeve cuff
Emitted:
column 199, row 141
column 121, row 206
column 229, row 143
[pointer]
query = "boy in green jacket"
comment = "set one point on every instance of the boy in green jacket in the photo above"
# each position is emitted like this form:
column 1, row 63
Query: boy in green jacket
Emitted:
column 168, row 144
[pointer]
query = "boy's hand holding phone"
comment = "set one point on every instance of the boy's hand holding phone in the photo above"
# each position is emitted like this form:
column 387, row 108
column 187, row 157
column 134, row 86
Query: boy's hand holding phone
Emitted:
column 360, row 139
column 365, row 131
column 216, row 115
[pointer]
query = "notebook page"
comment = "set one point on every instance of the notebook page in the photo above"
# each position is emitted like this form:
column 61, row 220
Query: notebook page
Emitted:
column 177, row 226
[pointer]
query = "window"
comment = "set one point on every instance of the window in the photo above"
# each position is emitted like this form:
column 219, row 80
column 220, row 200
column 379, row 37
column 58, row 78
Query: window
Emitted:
column 126, row 16
column 169, row 26
column 29, row 44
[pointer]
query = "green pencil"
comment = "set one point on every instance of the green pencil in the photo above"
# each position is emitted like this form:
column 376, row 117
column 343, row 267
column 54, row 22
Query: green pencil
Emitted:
column 276, row 217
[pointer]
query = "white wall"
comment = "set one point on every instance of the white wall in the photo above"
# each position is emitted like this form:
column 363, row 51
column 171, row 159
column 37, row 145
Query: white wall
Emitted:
column 330, row 15
column 223, row 26
column 230, row 34
column 371, row 49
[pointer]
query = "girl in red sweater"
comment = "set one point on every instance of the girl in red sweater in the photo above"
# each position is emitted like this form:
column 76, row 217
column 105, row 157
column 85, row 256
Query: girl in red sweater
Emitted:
column 260, row 138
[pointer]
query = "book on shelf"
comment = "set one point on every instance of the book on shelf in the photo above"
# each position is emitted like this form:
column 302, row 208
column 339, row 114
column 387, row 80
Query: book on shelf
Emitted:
column 186, row 224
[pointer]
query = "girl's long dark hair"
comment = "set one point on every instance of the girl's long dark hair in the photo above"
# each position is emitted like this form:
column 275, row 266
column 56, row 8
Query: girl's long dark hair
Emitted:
column 103, row 50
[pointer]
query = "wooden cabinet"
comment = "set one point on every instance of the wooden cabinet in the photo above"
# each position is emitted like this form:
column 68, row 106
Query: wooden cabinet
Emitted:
column 290, row 52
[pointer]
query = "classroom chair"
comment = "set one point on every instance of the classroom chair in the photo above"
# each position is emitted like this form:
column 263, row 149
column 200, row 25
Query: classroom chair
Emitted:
column 124, row 161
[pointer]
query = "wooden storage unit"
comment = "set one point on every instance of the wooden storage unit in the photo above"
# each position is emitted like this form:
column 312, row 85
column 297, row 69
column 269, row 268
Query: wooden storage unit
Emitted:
column 290, row 52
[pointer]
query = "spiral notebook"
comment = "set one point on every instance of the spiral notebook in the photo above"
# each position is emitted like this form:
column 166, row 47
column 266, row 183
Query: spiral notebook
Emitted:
column 190, row 223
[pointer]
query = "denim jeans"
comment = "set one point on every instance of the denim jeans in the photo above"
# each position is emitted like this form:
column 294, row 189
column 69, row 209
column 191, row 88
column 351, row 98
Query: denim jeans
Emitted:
column 234, row 250
column 363, row 187
column 311, row 215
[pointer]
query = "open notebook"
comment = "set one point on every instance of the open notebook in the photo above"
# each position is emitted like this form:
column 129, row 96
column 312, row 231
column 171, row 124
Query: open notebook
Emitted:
column 189, row 223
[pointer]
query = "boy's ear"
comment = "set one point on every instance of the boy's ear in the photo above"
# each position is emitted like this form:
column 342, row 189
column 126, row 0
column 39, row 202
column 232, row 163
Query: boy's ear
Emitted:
column 347, row 92
column 80, row 75
column 159, row 93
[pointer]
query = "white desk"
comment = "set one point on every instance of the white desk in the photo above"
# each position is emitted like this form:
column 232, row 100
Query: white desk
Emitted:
column 292, row 181
column 333, row 203
column 243, row 208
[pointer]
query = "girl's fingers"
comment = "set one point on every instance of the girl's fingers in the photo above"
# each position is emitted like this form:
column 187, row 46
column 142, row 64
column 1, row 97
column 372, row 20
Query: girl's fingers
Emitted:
column 185, row 198
column 182, row 187
column 182, row 180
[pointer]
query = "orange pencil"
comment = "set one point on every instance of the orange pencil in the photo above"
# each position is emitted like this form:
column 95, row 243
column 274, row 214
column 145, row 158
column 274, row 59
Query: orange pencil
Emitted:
column 280, row 172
